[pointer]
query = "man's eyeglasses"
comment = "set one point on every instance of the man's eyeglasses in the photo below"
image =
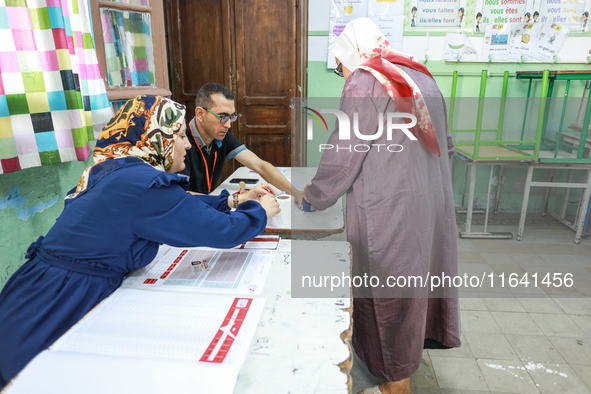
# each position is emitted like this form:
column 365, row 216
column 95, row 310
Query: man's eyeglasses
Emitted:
column 339, row 70
column 224, row 118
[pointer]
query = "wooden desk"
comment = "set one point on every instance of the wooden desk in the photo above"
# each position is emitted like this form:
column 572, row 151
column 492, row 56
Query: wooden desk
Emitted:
column 312, row 224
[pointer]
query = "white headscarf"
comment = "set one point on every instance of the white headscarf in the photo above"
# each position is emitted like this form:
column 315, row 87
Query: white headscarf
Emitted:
column 361, row 41
column 358, row 41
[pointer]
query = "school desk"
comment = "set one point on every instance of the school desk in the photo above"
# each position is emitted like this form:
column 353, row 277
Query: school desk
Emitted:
column 301, row 345
column 303, row 225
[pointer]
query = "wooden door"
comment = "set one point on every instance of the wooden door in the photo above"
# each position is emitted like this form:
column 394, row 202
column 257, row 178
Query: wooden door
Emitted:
column 254, row 47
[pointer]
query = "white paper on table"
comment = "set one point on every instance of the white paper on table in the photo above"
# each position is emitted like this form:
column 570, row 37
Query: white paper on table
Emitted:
column 549, row 41
column 496, row 41
column 522, row 41
column 146, row 341
column 261, row 242
column 458, row 44
column 57, row 372
column 231, row 271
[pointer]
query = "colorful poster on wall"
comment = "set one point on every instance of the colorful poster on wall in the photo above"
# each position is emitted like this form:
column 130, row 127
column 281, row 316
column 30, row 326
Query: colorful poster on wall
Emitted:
column 438, row 13
column 503, row 11
column 458, row 44
column 385, row 7
column 496, row 41
column 348, row 8
column 388, row 15
column 522, row 40
column 568, row 13
column 341, row 13
column 549, row 40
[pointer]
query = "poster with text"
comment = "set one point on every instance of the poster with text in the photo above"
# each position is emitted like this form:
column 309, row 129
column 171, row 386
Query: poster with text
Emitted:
column 438, row 13
column 388, row 15
column 392, row 26
column 567, row 13
column 496, row 41
column 503, row 11
column 348, row 8
column 522, row 41
column 341, row 13
column 458, row 44
column 385, row 7
column 550, row 39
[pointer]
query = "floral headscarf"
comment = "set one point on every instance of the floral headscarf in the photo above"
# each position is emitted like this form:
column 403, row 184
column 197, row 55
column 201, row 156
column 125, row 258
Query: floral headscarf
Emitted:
column 145, row 127
column 362, row 45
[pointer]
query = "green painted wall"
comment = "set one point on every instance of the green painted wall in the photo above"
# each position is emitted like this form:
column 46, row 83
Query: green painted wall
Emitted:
column 30, row 202
column 324, row 83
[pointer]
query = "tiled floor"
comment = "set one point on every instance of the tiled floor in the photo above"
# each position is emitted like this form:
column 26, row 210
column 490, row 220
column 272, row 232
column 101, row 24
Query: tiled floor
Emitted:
column 515, row 340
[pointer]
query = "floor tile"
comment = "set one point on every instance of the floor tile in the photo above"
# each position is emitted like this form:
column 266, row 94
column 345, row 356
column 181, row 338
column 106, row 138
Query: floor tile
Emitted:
column 516, row 323
column 553, row 378
column 556, row 325
column 508, row 269
column 490, row 346
column 503, row 305
column 558, row 260
column 574, row 350
column 583, row 260
column 458, row 373
column 583, row 322
column 459, row 391
column 470, row 258
column 424, row 377
column 528, row 291
column 540, row 305
column 584, row 373
column 574, row 306
column 463, row 351
column 497, row 258
column 424, row 390
column 479, row 321
column 527, row 259
column 534, row 348
column 563, row 291
column 579, row 273
column 506, row 376
column 361, row 376
column 583, row 286
column 472, row 304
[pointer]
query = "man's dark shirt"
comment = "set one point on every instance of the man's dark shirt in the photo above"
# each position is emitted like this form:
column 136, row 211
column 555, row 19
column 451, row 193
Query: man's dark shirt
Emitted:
column 226, row 149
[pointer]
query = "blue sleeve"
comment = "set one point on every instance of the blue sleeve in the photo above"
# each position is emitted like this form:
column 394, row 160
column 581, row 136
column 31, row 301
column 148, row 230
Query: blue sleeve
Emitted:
column 169, row 215
column 219, row 203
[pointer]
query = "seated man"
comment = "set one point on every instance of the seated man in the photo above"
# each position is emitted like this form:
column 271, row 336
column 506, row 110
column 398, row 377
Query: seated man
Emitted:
column 212, row 144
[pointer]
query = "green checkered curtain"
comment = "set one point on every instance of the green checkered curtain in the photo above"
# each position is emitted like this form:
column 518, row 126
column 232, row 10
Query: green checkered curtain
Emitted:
column 52, row 98
column 128, row 48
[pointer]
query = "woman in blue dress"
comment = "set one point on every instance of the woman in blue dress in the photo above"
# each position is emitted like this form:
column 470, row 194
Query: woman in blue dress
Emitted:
column 124, row 206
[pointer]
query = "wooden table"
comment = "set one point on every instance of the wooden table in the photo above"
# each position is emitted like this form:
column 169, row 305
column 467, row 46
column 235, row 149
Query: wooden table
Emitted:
column 304, row 225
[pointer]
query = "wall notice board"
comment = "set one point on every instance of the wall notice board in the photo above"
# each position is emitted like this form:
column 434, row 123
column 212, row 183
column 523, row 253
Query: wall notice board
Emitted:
column 419, row 26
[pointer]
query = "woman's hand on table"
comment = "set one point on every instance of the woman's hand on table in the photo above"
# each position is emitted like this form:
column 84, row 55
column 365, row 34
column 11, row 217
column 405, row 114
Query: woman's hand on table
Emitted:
column 299, row 196
column 270, row 205
column 257, row 192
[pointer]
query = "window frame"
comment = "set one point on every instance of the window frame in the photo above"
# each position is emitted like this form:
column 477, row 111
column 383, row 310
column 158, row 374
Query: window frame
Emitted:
column 156, row 11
